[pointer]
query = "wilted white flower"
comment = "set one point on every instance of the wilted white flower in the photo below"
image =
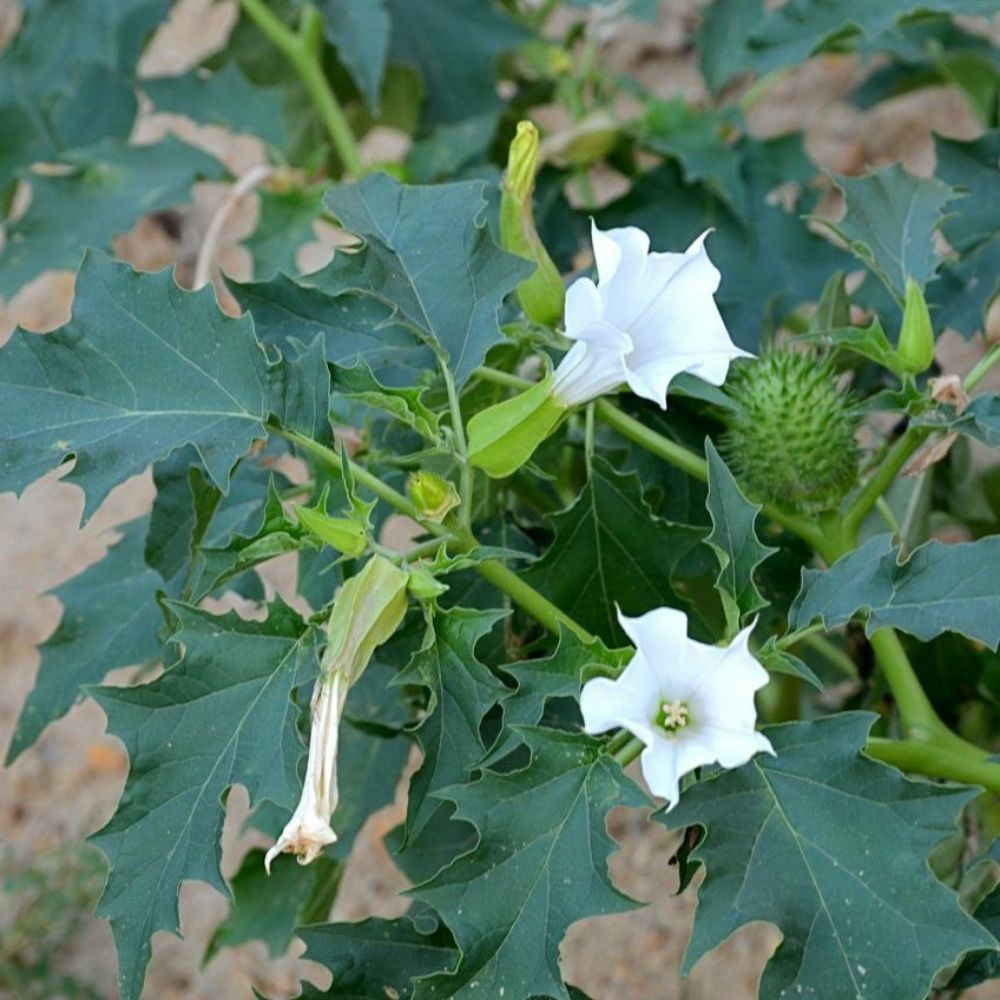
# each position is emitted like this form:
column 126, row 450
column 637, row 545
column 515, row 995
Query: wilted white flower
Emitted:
column 650, row 317
column 689, row 703
column 309, row 831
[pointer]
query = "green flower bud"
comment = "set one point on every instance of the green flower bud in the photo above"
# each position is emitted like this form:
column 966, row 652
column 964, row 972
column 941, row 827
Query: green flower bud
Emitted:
column 791, row 433
column 916, row 337
column 424, row 585
column 367, row 611
column 542, row 295
column 503, row 437
column 433, row 496
column 344, row 534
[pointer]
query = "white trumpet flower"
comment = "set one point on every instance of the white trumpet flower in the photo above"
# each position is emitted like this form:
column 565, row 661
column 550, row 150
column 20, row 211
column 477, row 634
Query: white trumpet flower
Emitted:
column 309, row 831
column 650, row 317
column 690, row 704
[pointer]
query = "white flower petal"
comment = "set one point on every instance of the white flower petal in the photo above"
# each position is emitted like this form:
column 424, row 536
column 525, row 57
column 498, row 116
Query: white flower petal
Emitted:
column 629, row 701
column 732, row 748
column 594, row 365
column 662, row 303
column 618, row 251
column 659, row 769
column 583, row 306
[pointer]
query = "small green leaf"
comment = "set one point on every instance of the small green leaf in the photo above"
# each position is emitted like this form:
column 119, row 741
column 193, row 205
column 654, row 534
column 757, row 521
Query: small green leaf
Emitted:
column 540, row 865
column 406, row 405
column 110, row 619
column 276, row 535
column 869, row 341
column 609, row 550
column 223, row 715
column 461, row 691
column 429, row 253
column 141, row 369
column 890, row 223
column 831, row 848
column 778, row 661
column 971, row 168
column 940, row 588
column 734, row 540
column 376, row 958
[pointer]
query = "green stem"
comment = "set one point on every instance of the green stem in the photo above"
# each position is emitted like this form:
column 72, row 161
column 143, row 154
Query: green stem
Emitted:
column 629, row 752
column 916, row 712
column 985, row 363
column 936, row 761
column 832, row 654
column 305, row 57
column 883, row 477
column 521, row 593
column 458, row 428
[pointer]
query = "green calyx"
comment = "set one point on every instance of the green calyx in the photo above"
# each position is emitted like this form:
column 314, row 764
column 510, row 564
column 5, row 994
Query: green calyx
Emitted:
column 503, row 437
column 791, row 435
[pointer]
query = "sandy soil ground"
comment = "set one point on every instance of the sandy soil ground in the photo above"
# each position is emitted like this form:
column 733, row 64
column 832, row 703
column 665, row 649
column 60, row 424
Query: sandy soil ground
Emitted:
column 66, row 786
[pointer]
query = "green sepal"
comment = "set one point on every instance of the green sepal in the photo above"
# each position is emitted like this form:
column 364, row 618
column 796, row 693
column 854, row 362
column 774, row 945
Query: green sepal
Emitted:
column 341, row 533
column 503, row 437
column 433, row 496
column 916, row 336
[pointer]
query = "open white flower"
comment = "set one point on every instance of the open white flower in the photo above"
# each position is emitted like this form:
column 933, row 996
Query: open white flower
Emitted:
column 309, row 831
column 650, row 317
column 691, row 704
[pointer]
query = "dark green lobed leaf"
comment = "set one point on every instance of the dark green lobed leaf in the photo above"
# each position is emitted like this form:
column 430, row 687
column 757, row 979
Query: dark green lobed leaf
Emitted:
column 734, row 540
column 461, row 692
column 223, row 715
column 539, row 866
column 831, row 848
column 940, row 588
column 142, row 368
column 376, row 958
column 110, row 619
column 890, row 222
column 429, row 253
column 609, row 549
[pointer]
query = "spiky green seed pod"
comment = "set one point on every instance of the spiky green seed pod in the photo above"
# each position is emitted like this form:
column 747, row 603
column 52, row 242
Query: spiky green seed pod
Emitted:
column 791, row 434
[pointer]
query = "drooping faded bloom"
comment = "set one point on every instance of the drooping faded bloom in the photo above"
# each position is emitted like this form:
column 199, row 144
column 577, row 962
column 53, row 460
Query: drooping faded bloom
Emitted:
column 367, row 611
column 690, row 704
column 650, row 317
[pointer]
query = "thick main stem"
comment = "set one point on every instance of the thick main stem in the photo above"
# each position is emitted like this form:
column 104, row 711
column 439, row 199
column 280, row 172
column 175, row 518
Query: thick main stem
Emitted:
column 936, row 762
column 305, row 58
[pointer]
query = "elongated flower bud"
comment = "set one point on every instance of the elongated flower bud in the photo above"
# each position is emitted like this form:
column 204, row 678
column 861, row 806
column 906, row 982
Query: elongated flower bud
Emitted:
column 542, row 295
column 916, row 337
column 367, row 611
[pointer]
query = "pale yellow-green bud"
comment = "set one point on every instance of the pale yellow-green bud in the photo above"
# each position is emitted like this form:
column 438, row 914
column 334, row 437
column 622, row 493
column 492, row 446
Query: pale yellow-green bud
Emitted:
column 344, row 534
column 368, row 609
column 503, row 437
column 433, row 496
column 424, row 585
column 916, row 336
column 543, row 294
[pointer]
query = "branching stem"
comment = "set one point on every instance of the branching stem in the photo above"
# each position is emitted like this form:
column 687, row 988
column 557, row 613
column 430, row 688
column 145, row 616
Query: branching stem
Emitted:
column 304, row 54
